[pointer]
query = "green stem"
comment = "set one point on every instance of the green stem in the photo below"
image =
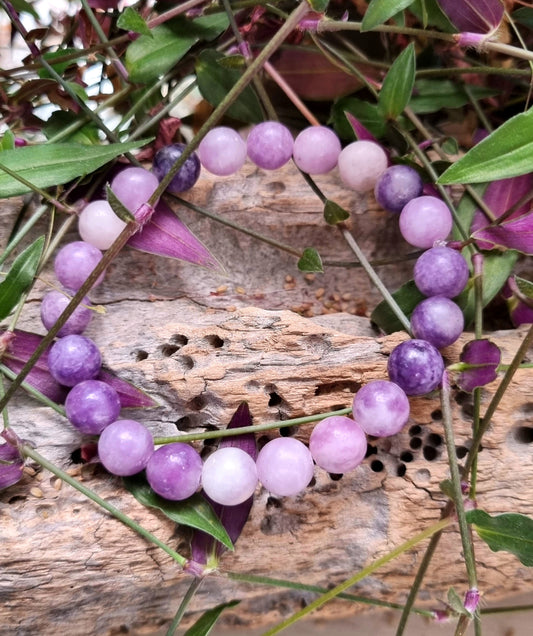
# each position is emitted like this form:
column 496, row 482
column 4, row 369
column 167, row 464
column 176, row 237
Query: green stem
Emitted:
column 376, row 279
column 185, row 602
column 32, row 391
column 265, row 580
column 331, row 594
column 118, row 514
column 256, row 428
column 5, row 416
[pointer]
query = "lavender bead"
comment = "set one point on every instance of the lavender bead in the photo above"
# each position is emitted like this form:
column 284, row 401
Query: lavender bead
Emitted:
column 73, row 359
column 187, row 175
column 316, row 150
column 441, row 271
column 438, row 320
column 91, row 406
column 134, row 186
column 174, row 471
column 270, row 145
column 338, row 444
column 74, row 262
column 53, row 305
column 125, row 447
column 285, row 466
column 381, row 408
column 222, row 151
column 416, row 366
column 397, row 186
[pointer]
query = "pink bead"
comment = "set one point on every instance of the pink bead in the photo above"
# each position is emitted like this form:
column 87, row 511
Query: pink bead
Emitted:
column 360, row 165
column 316, row 150
column 222, row 151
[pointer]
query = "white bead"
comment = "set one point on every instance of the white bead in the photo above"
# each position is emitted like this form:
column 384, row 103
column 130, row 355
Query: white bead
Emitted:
column 229, row 476
column 99, row 225
column 360, row 165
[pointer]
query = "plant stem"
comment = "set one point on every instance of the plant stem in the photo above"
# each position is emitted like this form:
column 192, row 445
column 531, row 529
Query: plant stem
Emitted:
column 185, row 602
column 331, row 594
column 256, row 428
column 118, row 514
column 376, row 279
column 33, row 391
column 289, row 92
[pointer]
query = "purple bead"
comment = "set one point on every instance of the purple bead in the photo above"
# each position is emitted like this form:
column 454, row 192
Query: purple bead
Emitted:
column 91, row 406
column 125, row 447
column 134, row 186
column 438, row 320
column 441, row 271
column 53, row 305
column 187, row 175
column 397, row 186
column 381, row 408
column 174, row 471
column 74, row 262
column 338, row 444
column 222, row 151
column 416, row 366
column 316, row 150
column 73, row 359
column 270, row 145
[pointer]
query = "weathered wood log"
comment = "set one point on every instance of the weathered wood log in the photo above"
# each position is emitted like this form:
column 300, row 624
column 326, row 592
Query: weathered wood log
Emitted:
column 66, row 561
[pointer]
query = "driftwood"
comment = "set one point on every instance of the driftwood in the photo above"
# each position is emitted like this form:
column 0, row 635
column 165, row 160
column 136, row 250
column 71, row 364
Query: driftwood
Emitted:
column 200, row 343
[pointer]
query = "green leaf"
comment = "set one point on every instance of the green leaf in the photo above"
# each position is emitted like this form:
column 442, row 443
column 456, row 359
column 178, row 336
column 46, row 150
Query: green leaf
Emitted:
column 118, row 207
column 466, row 208
column 456, row 603
column 20, row 277
column 510, row 532
column 310, row 261
column 61, row 119
column 507, row 152
column 525, row 286
column 21, row 6
column 524, row 16
column 368, row 115
column 379, row 11
column 318, row 5
column 46, row 165
column 430, row 13
column 334, row 213
column 206, row 622
column 194, row 512
column 429, row 96
column 130, row 20
column 407, row 297
column 149, row 57
column 216, row 80
column 8, row 141
column 59, row 67
column 497, row 267
column 398, row 84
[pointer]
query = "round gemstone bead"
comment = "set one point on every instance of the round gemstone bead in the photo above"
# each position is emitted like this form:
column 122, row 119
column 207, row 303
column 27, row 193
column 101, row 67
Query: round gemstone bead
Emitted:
column 316, row 150
column 270, row 145
column 53, row 305
column 174, row 471
column 222, row 151
column 91, row 406
column 441, row 271
column 134, row 186
column 438, row 320
column 285, row 466
column 416, row 366
column 124, row 447
column 186, row 176
column 99, row 225
column 229, row 476
column 397, row 186
column 338, row 444
column 74, row 262
column 425, row 220
column 361, row 163
column 381, row 408
column 73, row 359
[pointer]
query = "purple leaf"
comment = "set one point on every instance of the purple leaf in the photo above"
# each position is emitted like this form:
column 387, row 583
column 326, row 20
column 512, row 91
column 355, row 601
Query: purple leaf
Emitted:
column 204, row 548
column 476, row 16
column 11, row 463
column 516, row 234
column 361, row 132
column 486, row 356
column 130, row 396
column 165, row 235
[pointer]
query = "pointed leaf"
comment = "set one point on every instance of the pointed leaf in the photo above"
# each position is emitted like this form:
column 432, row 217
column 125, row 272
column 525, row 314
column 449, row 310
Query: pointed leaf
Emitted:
column 117, row 206
column 475, row 16
column 130, row 396
column 206, row 622
column 48, row 165
column 194, row 512
column 398, row 84
column 61, row 119
column 8, row 141
column 525, row 286
column 435, row 15
column 456, row 603
column 524, row 16
column 20, row 277
column 507, row 152
column 429, row 95
column 360, row 131
column 318, row 5
column 215, row 81
column 407, row 297
column 365, row 115
column 334, row 213
column 379, row 11
column 130, row 20
column 166, row 235
column 509, row 532
column 516, row 234
column 149, row 57
column 246, row 441
column 310, row 261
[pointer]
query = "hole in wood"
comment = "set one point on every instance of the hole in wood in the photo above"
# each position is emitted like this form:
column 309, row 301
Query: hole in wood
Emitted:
column 287, row 431
column 415, row 443
column 185, row 362
column 274, row 399
column 415, row 430
column 371, row 450
column 273, row 502
column 377, row 466
column 214, row 340
column 401, row 470
column 335, row 476
column 179, row 339
column 406, row 456
column 461, row 451
column 434, row 439
column 197, row 403
column 430, row 453
column 436, row 415
column 349, row 386
column 524, row 434
column 75, row 456
column 184, row 423
column 140, row 354
column 168, row 349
